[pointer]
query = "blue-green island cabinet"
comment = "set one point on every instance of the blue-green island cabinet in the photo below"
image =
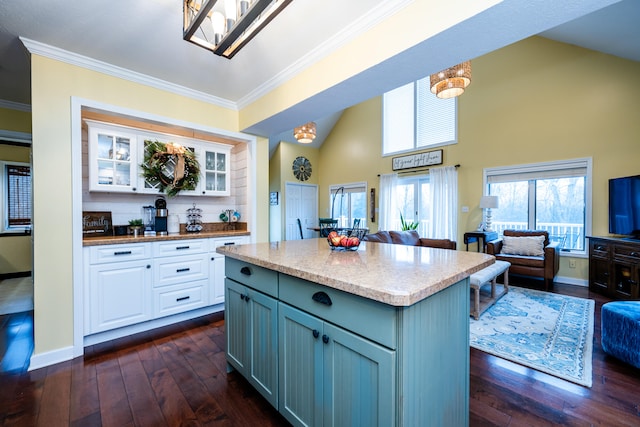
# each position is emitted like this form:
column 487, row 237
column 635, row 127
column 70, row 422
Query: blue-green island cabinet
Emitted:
column 325, row 357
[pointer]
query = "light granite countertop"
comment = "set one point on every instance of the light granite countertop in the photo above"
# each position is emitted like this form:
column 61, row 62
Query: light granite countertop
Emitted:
column 114, row 240
column 397, row 275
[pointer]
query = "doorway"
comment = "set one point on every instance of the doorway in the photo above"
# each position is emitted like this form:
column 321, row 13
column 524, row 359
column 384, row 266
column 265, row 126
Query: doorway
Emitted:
column 301, row 203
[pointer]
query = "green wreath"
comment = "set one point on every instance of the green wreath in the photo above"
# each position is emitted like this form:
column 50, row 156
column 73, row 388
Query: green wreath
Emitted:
column 170, row 166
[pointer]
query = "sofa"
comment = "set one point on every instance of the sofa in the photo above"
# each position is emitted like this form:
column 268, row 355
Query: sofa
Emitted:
column 410, row 238
column 533, row 256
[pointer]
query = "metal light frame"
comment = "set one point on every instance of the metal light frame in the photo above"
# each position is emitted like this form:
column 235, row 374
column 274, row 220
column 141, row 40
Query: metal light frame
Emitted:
column 259, row 14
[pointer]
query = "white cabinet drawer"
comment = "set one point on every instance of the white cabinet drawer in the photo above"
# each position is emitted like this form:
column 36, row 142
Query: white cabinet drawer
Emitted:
column 180, row 298
column 226, row 241
column 179, row 247
column 117, row 253
column 180, row 269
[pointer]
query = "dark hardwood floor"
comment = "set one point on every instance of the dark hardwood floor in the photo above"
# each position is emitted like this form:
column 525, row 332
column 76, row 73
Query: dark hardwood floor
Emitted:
column 177, row 376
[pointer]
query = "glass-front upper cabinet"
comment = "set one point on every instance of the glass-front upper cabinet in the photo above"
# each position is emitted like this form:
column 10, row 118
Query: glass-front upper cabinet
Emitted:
column 112, row 158
column 214, row 169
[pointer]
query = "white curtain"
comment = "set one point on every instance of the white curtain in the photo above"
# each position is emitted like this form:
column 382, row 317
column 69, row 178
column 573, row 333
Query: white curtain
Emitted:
column 388, row 203
column 444, row 202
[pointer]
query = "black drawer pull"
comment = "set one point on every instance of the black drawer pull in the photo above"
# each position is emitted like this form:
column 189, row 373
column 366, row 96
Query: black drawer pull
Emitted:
column 178, row 248
column 316, row 333
column 122, row 253
column 182, row 298
column 229, row 243
column 322, row 298
column 182, row 270
column 325, row 339
column 246, row 271
column 634, row 254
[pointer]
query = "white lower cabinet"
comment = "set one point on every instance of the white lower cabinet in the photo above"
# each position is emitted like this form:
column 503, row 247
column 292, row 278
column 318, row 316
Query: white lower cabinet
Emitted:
column 119, row 294
column 127, row 284
column 331, row 377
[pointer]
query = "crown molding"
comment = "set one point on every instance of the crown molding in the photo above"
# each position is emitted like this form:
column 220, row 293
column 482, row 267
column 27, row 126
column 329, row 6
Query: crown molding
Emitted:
column 363, row 24
column 75, row 59
column 10, row 105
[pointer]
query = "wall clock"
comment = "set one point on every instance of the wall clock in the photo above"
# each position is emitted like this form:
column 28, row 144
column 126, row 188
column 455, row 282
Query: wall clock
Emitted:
column 302, row 168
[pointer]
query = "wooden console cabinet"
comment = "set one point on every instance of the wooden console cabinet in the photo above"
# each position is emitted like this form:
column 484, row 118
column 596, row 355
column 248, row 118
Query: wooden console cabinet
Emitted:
column 614, row 267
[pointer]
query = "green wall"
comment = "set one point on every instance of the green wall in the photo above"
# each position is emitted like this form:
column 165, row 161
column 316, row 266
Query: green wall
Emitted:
column 534, row 101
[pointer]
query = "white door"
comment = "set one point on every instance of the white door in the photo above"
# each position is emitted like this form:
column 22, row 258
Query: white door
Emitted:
column 301, row 201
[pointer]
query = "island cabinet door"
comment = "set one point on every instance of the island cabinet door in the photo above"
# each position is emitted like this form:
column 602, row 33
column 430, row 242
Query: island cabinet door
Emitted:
column 236, row 324
column 251, row 322
column 331, row 377
column 300, row 359
column 359, row 380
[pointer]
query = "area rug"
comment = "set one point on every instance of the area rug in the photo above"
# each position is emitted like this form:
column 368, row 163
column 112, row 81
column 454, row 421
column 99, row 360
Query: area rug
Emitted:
column 16, row 295
column 548, row 332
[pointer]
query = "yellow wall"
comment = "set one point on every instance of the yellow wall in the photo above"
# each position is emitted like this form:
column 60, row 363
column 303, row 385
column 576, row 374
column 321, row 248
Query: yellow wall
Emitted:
column 53, row 85
column 15, row 251
column 533, row 101
column 15, row 121
column 281, row 171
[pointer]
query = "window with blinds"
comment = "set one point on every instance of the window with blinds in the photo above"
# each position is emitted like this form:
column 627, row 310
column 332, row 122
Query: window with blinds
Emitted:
column 17, row 180
column 413, row 118
column 553, row 196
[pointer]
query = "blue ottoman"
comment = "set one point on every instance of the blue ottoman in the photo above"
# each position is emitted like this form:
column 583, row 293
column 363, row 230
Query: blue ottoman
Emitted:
column 621, row 330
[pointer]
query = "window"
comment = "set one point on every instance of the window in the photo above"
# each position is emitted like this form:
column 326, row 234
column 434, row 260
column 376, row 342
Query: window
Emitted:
column 414, row 118
column 552, row 196
column 413, row 197
column 348, row 203
column 16, row 185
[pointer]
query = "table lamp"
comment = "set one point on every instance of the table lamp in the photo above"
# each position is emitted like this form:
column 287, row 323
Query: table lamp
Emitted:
column 488, row 203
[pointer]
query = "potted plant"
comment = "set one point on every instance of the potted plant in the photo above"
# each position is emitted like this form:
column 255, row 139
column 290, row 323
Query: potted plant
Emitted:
column 408, row 225
column 135, row 226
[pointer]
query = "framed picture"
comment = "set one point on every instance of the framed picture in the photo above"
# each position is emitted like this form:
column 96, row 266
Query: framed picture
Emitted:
column 429, row 158
column 273, row 198
column 96, row 224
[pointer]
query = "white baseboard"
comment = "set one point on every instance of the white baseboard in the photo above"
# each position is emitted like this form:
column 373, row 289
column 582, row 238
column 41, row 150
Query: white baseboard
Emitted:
column 572, row 281
column 42, row 360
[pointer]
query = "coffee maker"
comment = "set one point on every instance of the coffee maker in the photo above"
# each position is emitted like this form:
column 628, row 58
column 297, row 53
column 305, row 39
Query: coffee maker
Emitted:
column 161, row 217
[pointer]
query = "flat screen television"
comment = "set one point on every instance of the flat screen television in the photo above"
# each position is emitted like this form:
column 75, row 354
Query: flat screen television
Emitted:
column 624, row 206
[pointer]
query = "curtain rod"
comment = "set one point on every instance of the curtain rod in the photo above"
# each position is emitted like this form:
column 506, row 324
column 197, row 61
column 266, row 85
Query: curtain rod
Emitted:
column 421, row 170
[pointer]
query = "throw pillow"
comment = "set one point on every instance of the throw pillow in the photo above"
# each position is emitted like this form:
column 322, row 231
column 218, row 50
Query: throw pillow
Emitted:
column 525, row 245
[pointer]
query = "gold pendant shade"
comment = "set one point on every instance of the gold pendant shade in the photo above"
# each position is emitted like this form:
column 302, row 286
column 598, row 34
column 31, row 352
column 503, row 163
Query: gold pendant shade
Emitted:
column 452, row 81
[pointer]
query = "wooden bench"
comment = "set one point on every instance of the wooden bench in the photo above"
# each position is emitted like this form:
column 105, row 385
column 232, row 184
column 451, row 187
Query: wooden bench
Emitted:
column 485, row 276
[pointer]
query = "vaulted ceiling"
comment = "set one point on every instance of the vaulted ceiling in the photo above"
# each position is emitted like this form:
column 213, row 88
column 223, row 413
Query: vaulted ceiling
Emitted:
column 146, row 37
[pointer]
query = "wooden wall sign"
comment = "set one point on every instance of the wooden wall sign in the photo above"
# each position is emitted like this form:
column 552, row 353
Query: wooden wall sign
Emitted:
column 419, row 160
column 96, row 224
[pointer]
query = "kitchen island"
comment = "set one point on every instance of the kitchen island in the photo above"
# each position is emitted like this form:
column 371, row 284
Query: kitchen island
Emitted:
column 377, row 336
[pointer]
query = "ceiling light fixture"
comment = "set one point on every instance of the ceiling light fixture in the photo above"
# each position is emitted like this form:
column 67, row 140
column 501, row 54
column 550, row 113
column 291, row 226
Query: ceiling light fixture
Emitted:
column 305, row 133
column 452, row 81
column 225, row 26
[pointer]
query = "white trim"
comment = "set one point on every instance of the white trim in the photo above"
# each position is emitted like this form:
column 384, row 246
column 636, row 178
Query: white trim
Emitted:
column 10, row 105
column 572, row 281
column 62, row 55
column 76, row 171
column 367, row 21
column 52, row 357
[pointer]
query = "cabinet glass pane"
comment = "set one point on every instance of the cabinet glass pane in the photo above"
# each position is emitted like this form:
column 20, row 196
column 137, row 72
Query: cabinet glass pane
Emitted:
column 123, row 149
column 105, row 146
column 105, row 172
column 624, row 280
column 210, row 181
column 123, row 176
column 221, row 164
column 221, row 182
column 210, row 160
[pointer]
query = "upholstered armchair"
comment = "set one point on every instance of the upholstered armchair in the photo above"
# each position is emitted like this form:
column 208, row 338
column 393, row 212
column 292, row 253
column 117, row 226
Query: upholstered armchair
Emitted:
column 530, row 253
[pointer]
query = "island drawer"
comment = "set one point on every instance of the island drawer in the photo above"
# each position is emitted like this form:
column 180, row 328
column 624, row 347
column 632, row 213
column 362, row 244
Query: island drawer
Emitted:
column 258, row 278
column 370, row 319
